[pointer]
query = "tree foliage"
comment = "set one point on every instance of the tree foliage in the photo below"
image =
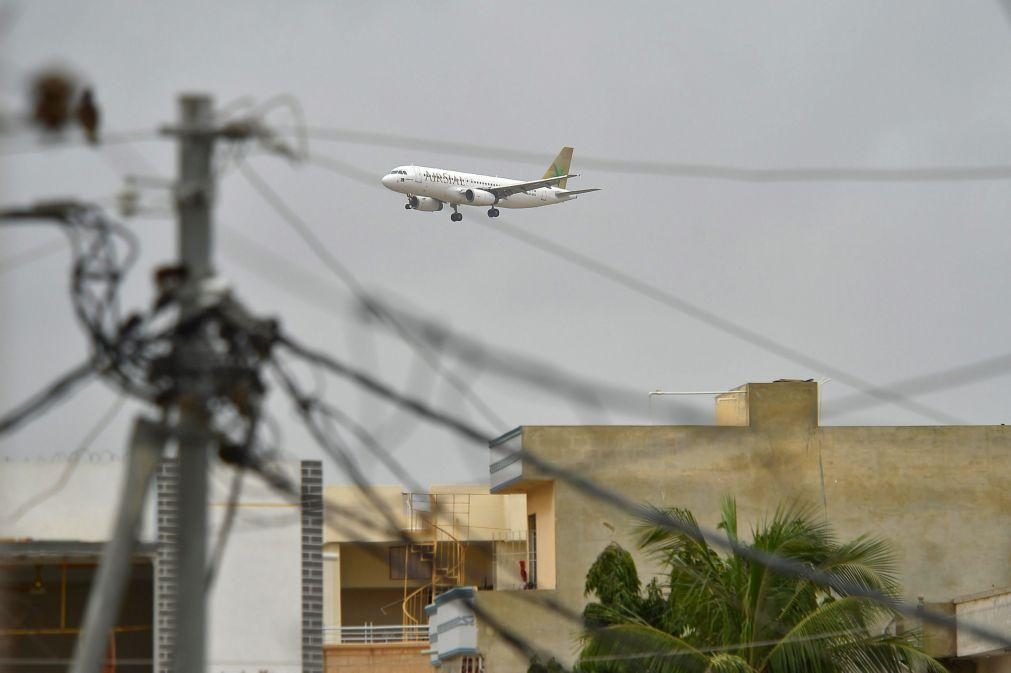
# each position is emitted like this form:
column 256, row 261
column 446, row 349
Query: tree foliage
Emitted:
column 713, row 612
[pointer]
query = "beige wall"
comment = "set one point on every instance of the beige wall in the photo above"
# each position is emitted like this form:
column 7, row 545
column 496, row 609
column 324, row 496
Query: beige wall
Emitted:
column 939, row 493
column 478, row 567
column 331, row 585
column 374, row 528
column 488, row 514
column 541, row 503
column 389, row 658
column 367, row 566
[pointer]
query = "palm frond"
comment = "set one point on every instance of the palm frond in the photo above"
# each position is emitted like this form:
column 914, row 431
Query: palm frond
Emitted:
column 728, row 517
column 885, row 654
column 804, row 647
column 683, row 538
column 631, row 647
column 728, row 663
column 866, row 562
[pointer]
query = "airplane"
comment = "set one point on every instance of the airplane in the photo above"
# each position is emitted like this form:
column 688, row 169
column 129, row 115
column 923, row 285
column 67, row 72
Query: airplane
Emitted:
column 428, row 189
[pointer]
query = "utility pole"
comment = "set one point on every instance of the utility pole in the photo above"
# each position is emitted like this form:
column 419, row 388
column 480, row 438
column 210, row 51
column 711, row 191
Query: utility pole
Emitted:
column 146, row 446
column 194, row 198
column 198, row 350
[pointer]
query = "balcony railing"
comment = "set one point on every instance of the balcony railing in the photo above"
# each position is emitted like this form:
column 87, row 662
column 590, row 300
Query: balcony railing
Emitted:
column 368, row 633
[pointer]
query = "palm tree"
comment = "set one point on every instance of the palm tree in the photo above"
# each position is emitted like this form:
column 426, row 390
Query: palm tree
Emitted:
column 727, row 613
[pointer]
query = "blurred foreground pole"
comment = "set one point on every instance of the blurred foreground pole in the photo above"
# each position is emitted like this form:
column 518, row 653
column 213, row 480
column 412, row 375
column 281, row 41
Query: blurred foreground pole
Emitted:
column 106, row 596
column 194, row 196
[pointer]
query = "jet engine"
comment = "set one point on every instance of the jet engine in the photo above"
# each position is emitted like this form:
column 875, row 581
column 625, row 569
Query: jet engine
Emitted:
column 425, row 203
column 478, row 197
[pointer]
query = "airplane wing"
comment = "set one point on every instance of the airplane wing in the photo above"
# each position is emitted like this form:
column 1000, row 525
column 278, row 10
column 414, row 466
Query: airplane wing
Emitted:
column 573, row 192
column 509, row 190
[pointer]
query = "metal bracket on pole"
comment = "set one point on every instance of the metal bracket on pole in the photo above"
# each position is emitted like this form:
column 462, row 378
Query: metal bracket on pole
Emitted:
column 146, row 446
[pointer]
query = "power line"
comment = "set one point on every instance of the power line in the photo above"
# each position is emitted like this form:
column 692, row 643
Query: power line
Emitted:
column 715, row 321
column 345, row 169
column 987, row 368
column 112, row 138
column 881, row 393
column 305, row 232
column 72, row 461
column 33, row 254
column 52, row 394
column 257, row 258
column 232, row 508
column 343, row 458
column 302, row 228
column 587, row 486
column 706, row 171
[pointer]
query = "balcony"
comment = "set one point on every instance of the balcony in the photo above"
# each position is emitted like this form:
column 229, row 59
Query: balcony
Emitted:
column 369, row 634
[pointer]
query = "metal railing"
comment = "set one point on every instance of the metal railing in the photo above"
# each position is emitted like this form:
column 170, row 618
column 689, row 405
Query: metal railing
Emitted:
column 514, row 559
column 369, row 633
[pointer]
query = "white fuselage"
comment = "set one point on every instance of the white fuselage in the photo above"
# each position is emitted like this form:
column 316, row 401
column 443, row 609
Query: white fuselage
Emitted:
column 452, row 186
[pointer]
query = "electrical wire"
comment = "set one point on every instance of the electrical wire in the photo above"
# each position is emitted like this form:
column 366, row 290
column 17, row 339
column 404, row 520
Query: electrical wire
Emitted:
column 882, row 394
column 108, row 138
column 725, row 325
column 945, row 379
column 73, row 460
column 52, row 394
column 588, row 487
column 302, row 228
column 232, row 508
column 342, row 168
column 347, row 463
column 705, row 171
column 33, row 254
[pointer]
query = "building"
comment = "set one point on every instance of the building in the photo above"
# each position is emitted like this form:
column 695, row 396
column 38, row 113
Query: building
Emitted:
column 381, row 574
column 940, row 494
column 264, row 606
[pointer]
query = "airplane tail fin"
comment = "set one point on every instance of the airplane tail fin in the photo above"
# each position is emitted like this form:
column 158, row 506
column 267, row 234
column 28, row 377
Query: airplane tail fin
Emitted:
column 560, row 166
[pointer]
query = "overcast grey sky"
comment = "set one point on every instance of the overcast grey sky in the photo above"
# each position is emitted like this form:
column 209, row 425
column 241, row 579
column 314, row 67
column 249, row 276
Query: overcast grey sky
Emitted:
column 884, row 281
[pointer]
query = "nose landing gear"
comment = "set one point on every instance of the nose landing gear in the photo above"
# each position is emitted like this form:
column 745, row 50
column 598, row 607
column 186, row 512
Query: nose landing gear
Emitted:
column 493, row 212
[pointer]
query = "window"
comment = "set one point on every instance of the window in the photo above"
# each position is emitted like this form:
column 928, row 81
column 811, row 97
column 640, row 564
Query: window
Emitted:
column 417, row 569
column 472, row 664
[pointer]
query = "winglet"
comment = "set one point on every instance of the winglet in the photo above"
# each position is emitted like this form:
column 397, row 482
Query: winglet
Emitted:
column 560, row 166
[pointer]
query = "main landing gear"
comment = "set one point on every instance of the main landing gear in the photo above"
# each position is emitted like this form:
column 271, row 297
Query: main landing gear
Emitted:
column 493, row 212
column 457, row 215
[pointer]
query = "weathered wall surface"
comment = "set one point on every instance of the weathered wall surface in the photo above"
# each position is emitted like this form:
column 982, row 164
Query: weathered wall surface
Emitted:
column 992, row 611
column 938, row 493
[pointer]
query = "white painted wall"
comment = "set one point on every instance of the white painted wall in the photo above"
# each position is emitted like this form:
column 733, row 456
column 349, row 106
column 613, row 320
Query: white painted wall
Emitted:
column 83, row 509
column 255, row 620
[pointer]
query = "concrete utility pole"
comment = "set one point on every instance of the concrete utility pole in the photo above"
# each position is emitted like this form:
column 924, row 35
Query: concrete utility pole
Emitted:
column 195, row 360
column 105, row 598
column 194, row 197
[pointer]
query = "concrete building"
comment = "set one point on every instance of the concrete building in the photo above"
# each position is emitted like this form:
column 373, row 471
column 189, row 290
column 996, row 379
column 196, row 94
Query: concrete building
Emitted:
column 381, row 574
column 940, row 494
column 264, row 607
